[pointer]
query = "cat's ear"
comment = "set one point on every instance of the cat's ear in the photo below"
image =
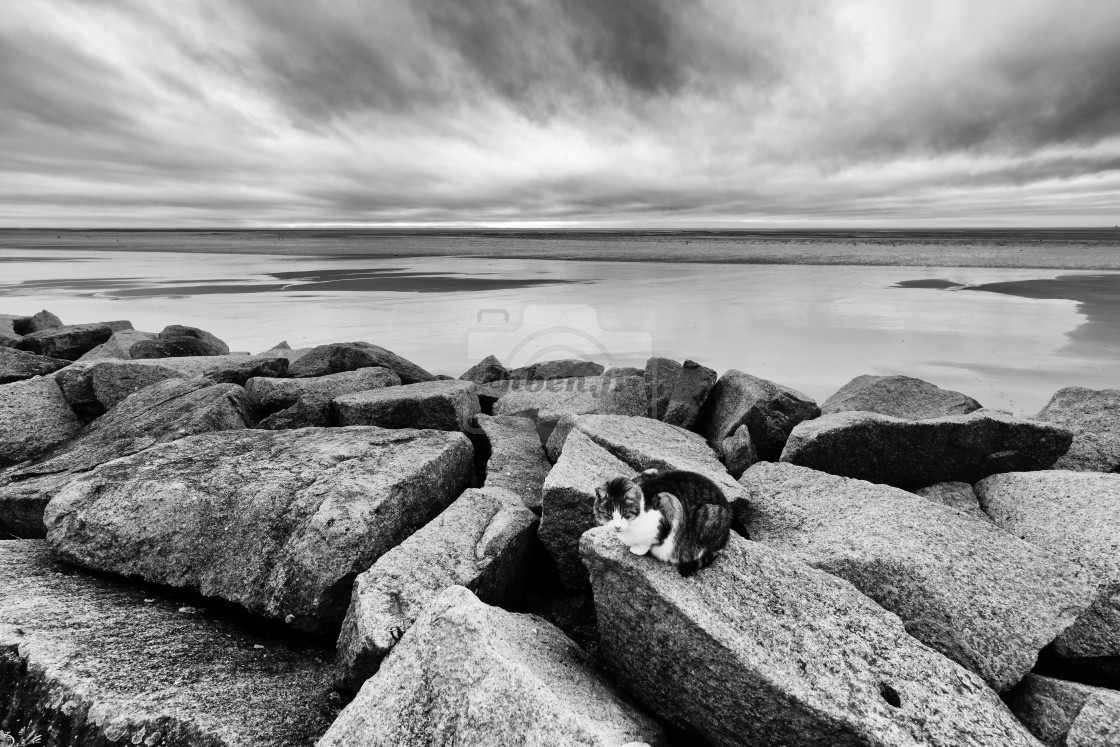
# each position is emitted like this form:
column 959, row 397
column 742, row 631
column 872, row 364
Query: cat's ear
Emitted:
column 600, row 493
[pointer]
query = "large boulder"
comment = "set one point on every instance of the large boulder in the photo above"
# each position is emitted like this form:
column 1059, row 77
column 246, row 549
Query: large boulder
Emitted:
column 16, row 365
column 470, row 674
column 912, row 454
column 759, row 648
column 548, row 401
column 92, row 388
column 572, row 368
column 517, row 462
column 77, row 380
column 280, row 522
column 92, row 661
column 485, row 371
column 1067, row 714
column 1075, row 515
column 270, row 394
column 900, row 397
column 9, row 338
column 689, row 395
column 71, row 341
column 34, row 418
column 444, row 405
column 567, row 500
column 163, row 412
column 661, row 375
column 481, row 541
column 768, row 410
column 38, row 322
column 179, row 341
column 1094, row 417
column 991, row 609
column 349, row 356
column 119, row 345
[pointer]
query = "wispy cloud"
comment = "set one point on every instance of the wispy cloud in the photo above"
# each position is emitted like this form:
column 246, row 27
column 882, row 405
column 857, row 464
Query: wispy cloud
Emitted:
column 629, row 112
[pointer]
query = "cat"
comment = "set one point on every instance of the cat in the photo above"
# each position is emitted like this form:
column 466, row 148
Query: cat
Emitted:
column 679, row 517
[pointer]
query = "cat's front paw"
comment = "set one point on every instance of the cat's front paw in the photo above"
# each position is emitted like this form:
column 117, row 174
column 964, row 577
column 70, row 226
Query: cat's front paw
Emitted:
column 639, row 549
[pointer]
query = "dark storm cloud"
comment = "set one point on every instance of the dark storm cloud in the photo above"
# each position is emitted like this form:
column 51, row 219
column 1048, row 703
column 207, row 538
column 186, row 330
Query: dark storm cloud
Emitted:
column 556, row 110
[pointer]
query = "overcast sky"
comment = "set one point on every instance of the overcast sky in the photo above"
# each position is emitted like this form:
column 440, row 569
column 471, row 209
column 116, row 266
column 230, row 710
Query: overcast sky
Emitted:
column 644, row 113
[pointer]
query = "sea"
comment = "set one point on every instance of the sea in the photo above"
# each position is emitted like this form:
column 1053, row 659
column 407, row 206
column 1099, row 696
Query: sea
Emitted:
column 1005, row 316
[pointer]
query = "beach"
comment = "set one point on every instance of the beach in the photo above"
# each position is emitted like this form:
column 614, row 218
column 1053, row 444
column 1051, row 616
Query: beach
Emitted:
column 1008, row 336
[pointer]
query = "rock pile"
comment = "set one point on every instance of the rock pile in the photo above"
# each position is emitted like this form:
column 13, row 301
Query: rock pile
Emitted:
column 236, row 545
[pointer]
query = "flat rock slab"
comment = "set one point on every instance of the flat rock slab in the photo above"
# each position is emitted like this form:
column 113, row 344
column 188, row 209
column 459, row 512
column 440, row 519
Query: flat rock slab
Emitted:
column 473, row 675
column 350, row 356
column 689, row 394
column 900, row 397
column 1094, row 417
column 642, row 443
column 570, row 368
column 1075, row 515
column 69, row 342
column 548, row 401
column 568, row 498
column 17, row 365
column 759, row 648
column 444, row 405
column 517, row 461
column 280, row 522
column 962, row 586
column 177, row 341
column 912, row 454
column 166, row 411
column 270, row 394
column 34, row 418
column 91, row 662
column 481, row 541
column 768, row 410
column 1067, row 714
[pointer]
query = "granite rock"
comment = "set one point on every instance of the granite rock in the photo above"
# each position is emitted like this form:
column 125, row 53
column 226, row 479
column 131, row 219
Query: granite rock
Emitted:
column 1074, row 515
column 1094, row 418
column 485, row 371
column 34, row 418
column 163, row 412
column 661, row 376
column 991, row 609
column 548, row 401
column 179, row 341
column 517, row 461
column 270, row 394
column 900, row 397
column 280, row 522
column 349, row 356
column 564, row 369
column 444, row 405
column 770, row 411
column 38, row 322
column 93, row 387
column 737, row 452
column 16, row 365
column 477, row 676
column 1067, row 714
column 119, row 345
column 92, row 661
column 800, row 656
column 912, row 454
column 71, row 341
column 958, row 495
column 481, row 541
column 689, row 395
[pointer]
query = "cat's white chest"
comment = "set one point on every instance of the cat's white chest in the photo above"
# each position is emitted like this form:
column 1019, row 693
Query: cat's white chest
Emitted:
column 642, row 531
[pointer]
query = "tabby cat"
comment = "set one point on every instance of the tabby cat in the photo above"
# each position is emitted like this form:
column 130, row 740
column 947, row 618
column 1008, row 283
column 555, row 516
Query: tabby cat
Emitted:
column 679, row 517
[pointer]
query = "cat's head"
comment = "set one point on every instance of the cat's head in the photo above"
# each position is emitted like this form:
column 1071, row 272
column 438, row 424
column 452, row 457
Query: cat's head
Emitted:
column 617, row 503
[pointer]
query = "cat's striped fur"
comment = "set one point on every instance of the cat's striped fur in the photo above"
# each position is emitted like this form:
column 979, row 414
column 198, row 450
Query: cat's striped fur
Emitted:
column 679, row 517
